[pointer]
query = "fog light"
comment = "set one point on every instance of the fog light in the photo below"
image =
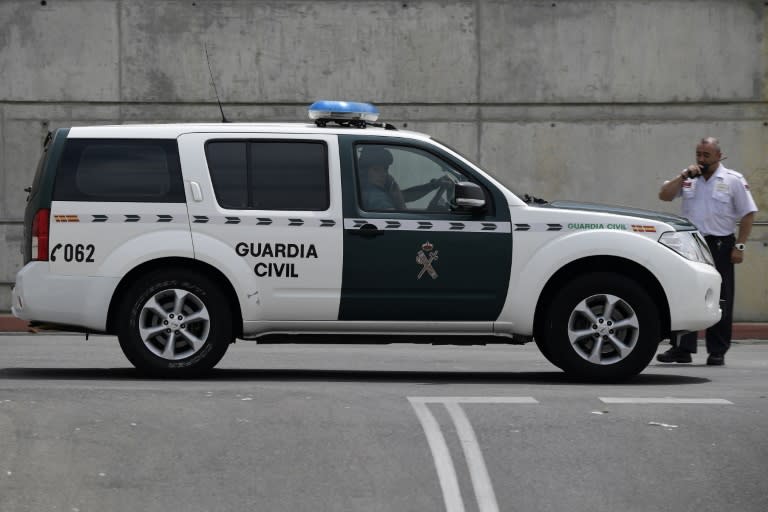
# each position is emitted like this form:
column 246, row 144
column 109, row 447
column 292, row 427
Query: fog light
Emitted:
column 709, row 298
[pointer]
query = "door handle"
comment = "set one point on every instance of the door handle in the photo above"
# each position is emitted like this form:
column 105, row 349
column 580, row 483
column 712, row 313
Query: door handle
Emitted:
column 367, row 231
column 197, row 192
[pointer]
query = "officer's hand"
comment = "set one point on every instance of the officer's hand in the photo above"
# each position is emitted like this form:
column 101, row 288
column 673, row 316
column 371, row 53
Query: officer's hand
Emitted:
column 692, row 171
column 443, row 181
column 737, row 256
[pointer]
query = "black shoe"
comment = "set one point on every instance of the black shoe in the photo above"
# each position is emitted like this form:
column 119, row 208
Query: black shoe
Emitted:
column 715, row 360
column 674, row 355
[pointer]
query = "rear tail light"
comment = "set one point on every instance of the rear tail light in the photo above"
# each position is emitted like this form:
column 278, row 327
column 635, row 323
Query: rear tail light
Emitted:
column 40, row 229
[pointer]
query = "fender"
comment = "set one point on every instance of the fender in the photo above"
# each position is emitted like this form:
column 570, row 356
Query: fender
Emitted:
column 531, row 272
column 146, row 247
column 222, row 256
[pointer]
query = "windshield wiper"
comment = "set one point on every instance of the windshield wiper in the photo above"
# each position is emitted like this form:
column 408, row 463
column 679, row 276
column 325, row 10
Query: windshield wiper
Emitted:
column 534, row 200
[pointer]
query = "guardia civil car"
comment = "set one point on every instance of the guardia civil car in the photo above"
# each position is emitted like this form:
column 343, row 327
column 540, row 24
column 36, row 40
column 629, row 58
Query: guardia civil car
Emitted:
column 181, row 238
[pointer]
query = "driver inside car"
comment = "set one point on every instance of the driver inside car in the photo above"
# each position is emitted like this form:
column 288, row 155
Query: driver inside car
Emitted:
column 380, row 191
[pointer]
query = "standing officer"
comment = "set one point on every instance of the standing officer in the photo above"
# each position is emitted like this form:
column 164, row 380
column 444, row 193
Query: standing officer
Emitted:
column 714, row 199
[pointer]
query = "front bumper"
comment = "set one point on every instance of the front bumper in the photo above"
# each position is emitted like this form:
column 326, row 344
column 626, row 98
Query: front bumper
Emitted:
column 694, row 297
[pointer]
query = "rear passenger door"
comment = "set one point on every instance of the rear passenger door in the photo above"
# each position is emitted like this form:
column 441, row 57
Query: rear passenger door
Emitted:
column 265, row 209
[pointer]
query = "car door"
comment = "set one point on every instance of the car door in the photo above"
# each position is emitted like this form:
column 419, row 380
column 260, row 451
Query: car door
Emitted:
column 408, row 254
column 265, row 209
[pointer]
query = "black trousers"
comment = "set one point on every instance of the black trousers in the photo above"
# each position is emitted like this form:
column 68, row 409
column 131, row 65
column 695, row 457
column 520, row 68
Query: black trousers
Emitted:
column 719, row 335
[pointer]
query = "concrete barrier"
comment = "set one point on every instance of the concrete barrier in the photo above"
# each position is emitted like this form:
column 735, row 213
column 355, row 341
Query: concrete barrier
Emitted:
column 586, row 100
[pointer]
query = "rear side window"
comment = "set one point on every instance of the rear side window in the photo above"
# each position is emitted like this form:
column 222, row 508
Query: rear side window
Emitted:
column 269, row 175
column 122, row 170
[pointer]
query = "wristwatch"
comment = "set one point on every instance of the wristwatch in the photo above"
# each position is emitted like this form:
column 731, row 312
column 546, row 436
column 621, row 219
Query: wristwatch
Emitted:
column 739, row 247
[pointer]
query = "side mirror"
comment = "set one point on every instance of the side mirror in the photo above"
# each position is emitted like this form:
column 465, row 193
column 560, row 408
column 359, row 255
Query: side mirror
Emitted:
column 468, row 195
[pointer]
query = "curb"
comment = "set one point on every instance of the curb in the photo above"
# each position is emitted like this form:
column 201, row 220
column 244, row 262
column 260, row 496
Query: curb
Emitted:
column 10, row 323
column 741, row 330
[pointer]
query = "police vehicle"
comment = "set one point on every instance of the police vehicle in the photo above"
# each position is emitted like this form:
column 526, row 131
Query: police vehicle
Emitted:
column 181, row 238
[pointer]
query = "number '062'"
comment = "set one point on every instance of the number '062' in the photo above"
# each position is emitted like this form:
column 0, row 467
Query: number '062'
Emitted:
column 79, row 253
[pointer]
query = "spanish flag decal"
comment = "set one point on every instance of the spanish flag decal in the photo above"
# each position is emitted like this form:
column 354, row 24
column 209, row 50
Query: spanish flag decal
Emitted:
column 66, row 218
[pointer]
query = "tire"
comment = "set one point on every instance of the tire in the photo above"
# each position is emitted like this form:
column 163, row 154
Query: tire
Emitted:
column 175, row 324
column 601, row 326
column 544, row 349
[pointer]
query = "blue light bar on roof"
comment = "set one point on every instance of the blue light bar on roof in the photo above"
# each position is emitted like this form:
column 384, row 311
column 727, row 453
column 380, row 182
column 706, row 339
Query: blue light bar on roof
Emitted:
column 330, row 110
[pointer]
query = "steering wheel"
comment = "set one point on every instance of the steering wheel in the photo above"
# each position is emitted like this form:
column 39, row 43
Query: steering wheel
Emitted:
column 438, row 201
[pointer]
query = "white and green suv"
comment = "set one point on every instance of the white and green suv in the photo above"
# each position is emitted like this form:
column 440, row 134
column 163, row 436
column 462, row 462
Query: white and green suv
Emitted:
column 180, row 238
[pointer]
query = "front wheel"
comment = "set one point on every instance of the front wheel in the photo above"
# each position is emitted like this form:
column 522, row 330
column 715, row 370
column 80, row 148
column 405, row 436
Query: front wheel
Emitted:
column 602, row 326
column 175, row 324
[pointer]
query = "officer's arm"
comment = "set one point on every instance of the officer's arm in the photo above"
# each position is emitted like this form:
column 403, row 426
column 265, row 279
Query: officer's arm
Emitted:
column 745, row 228
column 419, row 191
column 671, row 188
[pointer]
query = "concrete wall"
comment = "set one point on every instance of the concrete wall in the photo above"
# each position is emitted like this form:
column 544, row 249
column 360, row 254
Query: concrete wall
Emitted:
column 587, row 100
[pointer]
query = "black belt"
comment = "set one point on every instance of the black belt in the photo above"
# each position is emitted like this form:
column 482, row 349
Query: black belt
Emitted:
column 724, row 237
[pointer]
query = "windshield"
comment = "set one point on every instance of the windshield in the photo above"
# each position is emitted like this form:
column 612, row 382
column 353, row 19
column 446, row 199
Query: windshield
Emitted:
column 522, row 195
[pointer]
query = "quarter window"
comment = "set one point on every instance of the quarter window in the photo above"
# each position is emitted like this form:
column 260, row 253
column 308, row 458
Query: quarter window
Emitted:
column 269, row 175
column 120, row 170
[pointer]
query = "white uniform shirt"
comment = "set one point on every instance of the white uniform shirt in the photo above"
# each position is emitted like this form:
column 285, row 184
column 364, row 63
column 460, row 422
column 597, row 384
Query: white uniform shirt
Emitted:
column 717, row 204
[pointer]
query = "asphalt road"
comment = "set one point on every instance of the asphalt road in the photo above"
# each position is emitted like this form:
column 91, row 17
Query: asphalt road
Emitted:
column 376, row 428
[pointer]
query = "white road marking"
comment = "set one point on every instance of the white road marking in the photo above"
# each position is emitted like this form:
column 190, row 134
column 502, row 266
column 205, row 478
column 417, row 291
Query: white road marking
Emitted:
column 473, row 399
column 478, row 472
column 666, row 400
column 481, row 480
column 446, row 471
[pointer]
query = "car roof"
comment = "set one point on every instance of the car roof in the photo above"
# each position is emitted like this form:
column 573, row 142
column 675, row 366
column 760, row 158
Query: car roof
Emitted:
column 166, row 131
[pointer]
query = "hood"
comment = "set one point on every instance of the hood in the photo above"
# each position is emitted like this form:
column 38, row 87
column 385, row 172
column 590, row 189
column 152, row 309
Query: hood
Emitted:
column 678, row 222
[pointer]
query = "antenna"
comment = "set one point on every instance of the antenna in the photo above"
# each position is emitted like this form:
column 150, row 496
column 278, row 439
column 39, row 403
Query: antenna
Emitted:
column 213, row 82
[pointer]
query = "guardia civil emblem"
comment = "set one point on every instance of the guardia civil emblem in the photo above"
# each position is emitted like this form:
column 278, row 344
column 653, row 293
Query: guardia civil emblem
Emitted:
column 425, row 257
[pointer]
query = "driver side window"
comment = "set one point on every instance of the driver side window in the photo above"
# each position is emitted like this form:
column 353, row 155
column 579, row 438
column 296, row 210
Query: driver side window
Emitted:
column 403, row 178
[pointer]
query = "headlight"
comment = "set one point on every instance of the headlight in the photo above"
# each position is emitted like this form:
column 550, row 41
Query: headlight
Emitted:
column 688, row 244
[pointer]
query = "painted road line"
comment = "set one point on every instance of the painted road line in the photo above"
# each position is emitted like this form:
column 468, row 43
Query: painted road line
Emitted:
column 666, row 400
column 446, row 471
column 481, row 480
column 473, row 399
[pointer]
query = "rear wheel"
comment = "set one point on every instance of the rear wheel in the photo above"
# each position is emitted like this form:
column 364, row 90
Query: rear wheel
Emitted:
column 175, row 324
column 601, row 325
